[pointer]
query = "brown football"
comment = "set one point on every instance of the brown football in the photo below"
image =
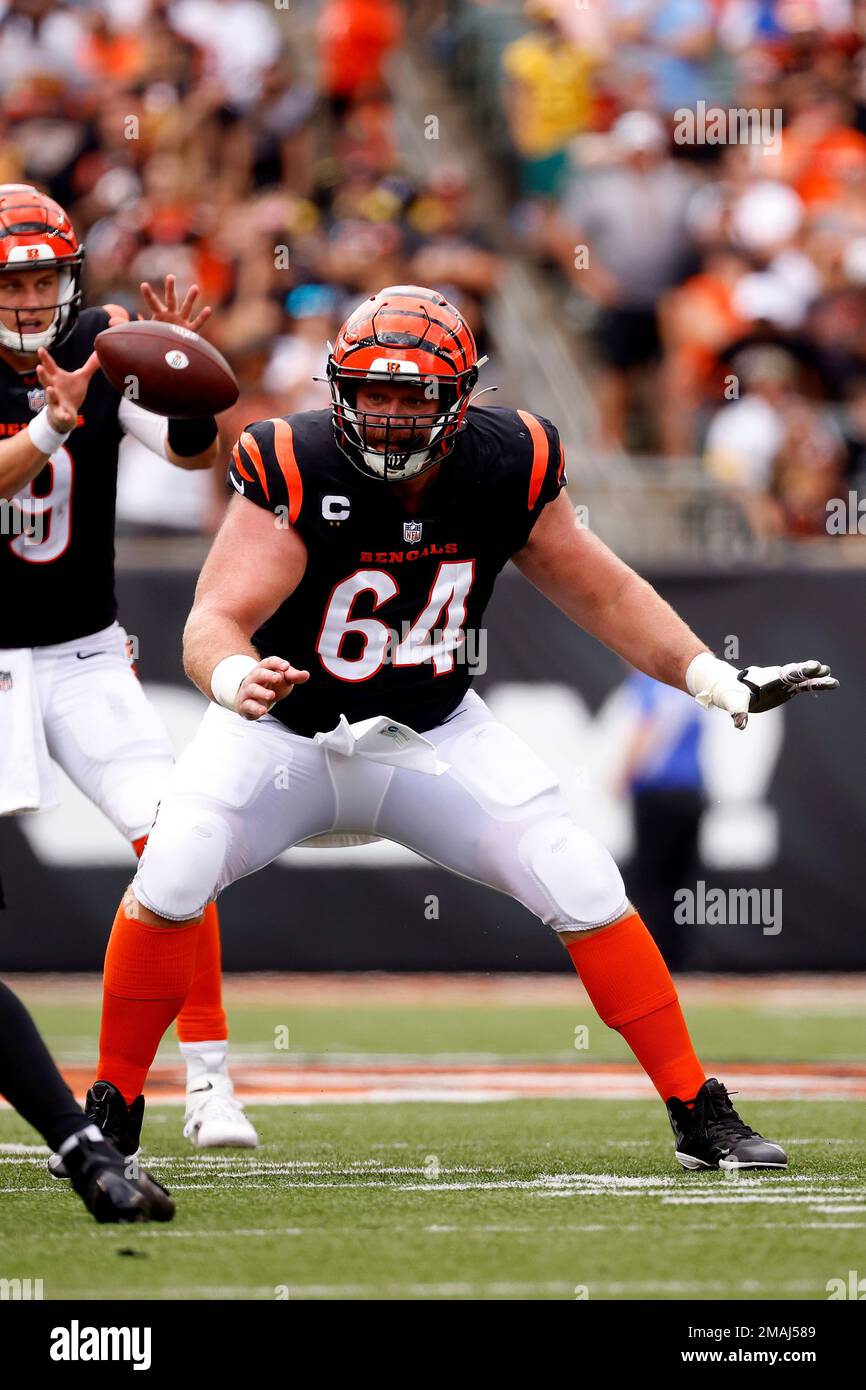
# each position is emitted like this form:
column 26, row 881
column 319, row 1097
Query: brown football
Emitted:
column 166, row 369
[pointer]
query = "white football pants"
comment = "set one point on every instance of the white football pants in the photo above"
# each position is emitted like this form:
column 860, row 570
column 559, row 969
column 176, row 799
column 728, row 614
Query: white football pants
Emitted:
column 101, row 728
column 244, row 791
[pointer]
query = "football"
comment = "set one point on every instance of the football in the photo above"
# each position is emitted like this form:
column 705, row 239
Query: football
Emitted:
column 166, row 369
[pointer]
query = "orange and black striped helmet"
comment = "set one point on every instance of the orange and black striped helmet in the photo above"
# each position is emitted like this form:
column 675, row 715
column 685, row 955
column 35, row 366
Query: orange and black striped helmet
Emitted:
column 409, row 335
column 36, row 234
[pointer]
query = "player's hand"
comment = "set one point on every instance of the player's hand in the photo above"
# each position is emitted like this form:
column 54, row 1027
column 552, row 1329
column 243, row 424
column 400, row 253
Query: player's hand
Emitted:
column 64, row 391
column 770, row 686
column 756, row 689
column 166, row 310
column 273, row 679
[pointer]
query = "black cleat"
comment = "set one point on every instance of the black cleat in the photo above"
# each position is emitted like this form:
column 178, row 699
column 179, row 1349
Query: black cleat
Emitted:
column 119, row 1122
column 112, row 1187
column 712, row 1135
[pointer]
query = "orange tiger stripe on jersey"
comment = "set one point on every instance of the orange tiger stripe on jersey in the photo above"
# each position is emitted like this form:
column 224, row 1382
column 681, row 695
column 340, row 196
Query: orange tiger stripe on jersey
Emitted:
column 251, row 449
column 238, row 464
column 561, row 463
column 540, row 454
column 285, row 449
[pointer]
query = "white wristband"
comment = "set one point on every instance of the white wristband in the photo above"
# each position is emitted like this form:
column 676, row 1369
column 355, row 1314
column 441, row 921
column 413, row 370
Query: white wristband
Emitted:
column 226, row 678
column 705, row 672
column 43, row 435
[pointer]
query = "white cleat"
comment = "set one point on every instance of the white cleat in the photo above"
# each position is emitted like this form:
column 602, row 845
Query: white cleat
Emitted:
column 214, row 1118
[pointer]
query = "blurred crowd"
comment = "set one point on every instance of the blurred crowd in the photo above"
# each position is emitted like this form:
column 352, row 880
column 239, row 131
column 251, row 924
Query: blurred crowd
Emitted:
column 249, row 147
column 695, row 170
column 692, row 172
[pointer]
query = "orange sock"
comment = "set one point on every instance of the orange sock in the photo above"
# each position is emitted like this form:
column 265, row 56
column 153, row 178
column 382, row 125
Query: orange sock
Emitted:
column 147, row 977
column 203, row 1018
column 625, row 976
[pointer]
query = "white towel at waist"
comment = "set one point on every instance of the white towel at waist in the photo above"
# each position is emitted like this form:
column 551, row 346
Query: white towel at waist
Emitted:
column 383, row 740
column 26, row 776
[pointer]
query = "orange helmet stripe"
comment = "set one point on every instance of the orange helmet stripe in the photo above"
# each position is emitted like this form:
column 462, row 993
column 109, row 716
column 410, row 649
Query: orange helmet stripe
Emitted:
column 251, row 449
column 285, row 448
column 540, row 454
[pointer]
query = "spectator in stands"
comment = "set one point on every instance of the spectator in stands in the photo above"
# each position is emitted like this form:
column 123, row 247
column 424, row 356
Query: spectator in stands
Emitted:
column 624, row 240
column 776, row 451
column 548, row 100
column 356, row 38
column 665, row 46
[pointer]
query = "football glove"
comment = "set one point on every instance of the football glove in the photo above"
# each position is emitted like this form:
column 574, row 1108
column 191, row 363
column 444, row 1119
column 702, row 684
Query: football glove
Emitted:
column 754, row 690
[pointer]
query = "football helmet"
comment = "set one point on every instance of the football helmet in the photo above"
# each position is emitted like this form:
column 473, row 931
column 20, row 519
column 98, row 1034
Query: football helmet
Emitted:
column 36, row 233
column 405, row 333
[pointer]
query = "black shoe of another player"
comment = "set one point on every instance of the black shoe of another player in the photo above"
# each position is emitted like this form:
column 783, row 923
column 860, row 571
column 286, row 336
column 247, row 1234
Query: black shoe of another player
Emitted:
column 119, row 1122
column 712, row 1135
column 111, row 1186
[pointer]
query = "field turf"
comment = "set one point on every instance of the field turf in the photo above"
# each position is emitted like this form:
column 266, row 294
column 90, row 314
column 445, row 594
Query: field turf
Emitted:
column 530, row 1198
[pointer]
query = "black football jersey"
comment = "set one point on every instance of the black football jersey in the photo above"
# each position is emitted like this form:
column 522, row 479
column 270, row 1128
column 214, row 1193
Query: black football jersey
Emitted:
column 388, row 618
column 60, row 586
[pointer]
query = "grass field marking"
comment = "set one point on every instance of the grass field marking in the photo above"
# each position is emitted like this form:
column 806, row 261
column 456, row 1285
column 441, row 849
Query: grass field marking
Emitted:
column 499, row 1289
column 838, row 1208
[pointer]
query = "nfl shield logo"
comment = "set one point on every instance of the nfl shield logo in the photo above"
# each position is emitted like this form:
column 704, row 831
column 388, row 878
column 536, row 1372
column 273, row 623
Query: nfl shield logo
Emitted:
column 411, row 532
column 5, row 680
column 36, row 398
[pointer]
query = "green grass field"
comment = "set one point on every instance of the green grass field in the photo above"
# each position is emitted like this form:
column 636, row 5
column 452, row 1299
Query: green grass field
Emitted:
column 532, row 1198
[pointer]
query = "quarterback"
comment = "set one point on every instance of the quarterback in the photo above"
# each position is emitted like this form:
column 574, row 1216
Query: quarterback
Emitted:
column 327, row 630
column 69, row 692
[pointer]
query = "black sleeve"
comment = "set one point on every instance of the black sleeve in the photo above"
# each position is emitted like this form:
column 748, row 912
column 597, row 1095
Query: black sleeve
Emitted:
column 264, row 469
column 541, row 475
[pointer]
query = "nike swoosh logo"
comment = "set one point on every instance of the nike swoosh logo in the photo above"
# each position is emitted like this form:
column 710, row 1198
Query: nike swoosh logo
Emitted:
column 85, row 656
column 236, row 484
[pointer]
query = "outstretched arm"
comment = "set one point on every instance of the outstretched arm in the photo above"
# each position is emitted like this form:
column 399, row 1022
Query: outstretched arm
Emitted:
column 600, row 593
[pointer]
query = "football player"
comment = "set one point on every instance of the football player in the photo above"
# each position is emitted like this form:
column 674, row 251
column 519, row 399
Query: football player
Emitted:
column 70, row 691
column 104, row 1180
column 370, row 537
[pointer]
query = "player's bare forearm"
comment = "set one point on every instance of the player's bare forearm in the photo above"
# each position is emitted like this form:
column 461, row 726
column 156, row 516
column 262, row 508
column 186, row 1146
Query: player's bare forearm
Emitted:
column 210, row 635
column 20, row 463
column 253, row 566
column 602, row 595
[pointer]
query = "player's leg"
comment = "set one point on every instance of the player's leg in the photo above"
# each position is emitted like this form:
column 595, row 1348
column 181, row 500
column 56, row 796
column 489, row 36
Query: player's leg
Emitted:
column 213, row 1117
column 498, row 816
column 34, row 1087
column 109, row 740
column 240, row 794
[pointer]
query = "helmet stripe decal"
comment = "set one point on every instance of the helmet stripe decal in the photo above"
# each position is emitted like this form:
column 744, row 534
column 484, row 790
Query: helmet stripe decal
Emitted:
column 540, row 454
column 285, row 448
column 251, row 449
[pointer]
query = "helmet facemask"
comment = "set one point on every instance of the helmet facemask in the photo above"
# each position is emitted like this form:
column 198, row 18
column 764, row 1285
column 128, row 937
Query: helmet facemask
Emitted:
column 396, row 447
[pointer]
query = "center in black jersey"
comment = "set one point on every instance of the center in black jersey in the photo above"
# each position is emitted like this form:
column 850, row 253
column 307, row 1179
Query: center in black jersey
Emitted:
column 382, row 614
